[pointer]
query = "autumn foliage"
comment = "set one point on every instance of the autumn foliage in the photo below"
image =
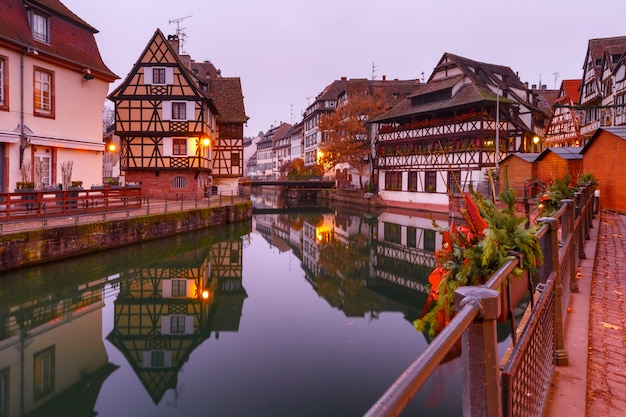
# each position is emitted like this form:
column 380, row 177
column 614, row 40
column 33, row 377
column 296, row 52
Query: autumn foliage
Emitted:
column 345, row 136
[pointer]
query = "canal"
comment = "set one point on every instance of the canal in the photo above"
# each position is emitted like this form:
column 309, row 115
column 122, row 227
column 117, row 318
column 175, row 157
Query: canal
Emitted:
column 300, row 312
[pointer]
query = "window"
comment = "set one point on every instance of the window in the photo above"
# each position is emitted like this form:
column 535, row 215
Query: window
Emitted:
column 234, row 159
column 454, row 182
column 179, row 146
column 177, row 324
column 430, row 181
column 4, row 83
column 413, row 181
column 411, row 237
column 43, row 90
column 179, row 288
column 393, row 233
column 4, row 392
column 39, row 26
column 158, row 75
column 179, row 182
column 429, row 241
column 393, row 180
column 43, row 373
column 42, row 169
column 179, row 110
column 157, row 358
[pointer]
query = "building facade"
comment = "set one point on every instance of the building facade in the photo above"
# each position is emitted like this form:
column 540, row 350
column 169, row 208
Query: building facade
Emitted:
column 53, row 84
column 452, row 131
column 180, row 123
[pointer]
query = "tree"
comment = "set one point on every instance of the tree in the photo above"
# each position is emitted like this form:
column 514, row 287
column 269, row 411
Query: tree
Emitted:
column 345, row 135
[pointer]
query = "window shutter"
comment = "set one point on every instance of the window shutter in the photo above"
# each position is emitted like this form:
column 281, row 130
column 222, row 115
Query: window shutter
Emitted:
column 169, row 75
column 167, row 146
column 166, row 110
column 191, row 110
column 147, row 75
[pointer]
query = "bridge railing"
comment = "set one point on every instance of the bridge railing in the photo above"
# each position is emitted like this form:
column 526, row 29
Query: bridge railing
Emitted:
column 518, row 384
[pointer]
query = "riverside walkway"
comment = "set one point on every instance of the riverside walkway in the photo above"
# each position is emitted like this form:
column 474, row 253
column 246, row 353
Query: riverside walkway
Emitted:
column 593, row 384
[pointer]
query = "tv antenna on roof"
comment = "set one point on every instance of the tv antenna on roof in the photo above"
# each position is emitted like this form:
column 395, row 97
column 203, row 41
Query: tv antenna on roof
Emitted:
column 556, row 76
column 374, row 67
column 180, row 34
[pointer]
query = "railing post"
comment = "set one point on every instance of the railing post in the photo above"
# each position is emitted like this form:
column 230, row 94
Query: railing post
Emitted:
column 567, row 229
column 581, row 225
column 584, row 211
column 560, row 354
column 480, row 373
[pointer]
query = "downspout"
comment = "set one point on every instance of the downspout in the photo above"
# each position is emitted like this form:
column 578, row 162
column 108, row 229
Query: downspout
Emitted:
column 22, row 131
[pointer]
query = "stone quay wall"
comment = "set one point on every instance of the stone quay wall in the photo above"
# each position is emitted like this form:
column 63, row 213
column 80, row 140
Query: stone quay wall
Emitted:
column 31, row 247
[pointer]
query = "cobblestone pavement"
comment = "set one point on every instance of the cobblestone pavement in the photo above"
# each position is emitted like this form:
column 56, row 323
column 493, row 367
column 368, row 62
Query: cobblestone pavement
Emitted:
column 606, row 363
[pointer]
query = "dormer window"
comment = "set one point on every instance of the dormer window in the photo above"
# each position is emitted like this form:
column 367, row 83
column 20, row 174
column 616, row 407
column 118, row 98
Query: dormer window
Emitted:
column 40, row 26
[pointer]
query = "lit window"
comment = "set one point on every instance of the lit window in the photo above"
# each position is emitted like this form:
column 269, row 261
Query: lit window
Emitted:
column 43, row 373
column 43, row 90
column 4, row 84
column 179, row 146
column 39, row 25
column 179, row 110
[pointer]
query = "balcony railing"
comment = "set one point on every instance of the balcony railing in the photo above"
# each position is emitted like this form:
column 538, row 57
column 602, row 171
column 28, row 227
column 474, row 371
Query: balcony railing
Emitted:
column 439, row 128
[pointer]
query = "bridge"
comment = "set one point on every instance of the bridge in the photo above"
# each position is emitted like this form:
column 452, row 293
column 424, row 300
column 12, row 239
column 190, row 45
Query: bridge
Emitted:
column 314, row 183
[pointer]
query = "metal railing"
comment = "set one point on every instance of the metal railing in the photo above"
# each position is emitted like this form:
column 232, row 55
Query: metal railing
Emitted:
column 518, row 384
column 45, row 209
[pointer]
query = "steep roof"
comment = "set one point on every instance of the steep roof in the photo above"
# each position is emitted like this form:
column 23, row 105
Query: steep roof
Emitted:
column 571, row 89
column 228, row 98
column 482, row 73
column 526, row 156
column 71, row 40
column 599, row 46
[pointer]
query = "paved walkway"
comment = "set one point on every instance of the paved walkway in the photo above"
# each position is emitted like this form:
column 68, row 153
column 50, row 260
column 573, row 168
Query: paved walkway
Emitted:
column 594, row 382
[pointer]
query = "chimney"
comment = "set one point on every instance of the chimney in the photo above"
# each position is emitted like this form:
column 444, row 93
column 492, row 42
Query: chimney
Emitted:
column 384, row 78
column 344, row 79
column 533, row 87
column 174, row 42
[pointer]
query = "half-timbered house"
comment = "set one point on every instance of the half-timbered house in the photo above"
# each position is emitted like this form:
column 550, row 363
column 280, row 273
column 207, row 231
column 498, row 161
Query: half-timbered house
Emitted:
column 180, row 123
column 596, row 89
column 452, row 131
column 564, row 125
column 166, row 309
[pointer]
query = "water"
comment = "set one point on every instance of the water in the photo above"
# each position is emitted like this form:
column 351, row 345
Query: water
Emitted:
column 303, row 313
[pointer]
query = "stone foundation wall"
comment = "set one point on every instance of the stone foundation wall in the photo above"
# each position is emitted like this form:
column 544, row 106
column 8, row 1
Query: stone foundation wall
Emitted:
column 37, row 246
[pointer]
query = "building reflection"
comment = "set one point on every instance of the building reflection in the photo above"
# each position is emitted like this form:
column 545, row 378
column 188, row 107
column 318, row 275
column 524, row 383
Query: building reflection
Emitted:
column 170, row 298
column 361, row 264
column 52, row 358
column 166, row 309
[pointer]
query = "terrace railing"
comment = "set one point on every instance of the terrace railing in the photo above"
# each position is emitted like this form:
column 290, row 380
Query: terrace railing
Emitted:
column 518, row 384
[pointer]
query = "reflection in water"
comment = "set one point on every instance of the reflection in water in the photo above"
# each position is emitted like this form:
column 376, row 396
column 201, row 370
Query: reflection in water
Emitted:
column 330, row 299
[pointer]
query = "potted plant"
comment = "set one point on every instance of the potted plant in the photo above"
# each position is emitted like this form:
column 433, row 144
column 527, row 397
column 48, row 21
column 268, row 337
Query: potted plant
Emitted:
column 471, row 253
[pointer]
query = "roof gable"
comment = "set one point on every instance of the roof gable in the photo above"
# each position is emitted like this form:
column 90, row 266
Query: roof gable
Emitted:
column 618, row 131
column 159, row 53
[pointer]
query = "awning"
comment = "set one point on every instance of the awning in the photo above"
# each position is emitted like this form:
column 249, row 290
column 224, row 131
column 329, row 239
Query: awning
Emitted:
column 9, row 137
column 66, row 143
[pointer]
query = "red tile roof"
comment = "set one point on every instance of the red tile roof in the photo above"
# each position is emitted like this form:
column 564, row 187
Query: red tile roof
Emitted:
column 72, row 42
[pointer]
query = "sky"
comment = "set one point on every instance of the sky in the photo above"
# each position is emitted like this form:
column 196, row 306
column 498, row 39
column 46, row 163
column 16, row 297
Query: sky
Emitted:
column 287, row 51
